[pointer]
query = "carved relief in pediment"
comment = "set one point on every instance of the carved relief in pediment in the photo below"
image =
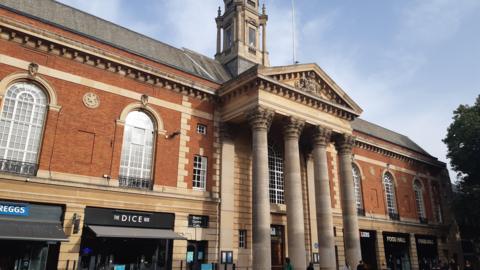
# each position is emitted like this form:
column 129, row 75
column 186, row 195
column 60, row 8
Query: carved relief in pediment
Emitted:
column 310, row 83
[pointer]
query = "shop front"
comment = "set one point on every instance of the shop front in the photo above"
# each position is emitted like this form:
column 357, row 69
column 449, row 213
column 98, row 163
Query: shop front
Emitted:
column 127, row 240
column 427, row 251
column 367, row 243
column 30, row 235
column 397, row 250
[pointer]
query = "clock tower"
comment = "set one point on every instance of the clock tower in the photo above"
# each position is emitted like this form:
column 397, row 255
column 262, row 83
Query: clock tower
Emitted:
column 241, row 35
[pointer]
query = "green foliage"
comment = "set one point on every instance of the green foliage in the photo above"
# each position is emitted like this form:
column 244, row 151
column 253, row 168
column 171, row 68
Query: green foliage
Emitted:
column 463, row 142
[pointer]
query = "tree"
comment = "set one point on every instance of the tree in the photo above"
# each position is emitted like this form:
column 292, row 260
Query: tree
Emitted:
column 463, row 143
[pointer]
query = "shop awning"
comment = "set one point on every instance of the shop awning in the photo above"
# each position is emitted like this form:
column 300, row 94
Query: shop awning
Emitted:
column 31, row 231
column 129, row 232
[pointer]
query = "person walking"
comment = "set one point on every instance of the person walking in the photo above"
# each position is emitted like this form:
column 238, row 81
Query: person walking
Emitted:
column 288, row 265
column 468, row 265
column 361, row 265
column 453, row 264
column 346, row 266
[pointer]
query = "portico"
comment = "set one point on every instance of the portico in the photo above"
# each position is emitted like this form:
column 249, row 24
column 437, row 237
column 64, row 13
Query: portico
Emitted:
column 310, row 113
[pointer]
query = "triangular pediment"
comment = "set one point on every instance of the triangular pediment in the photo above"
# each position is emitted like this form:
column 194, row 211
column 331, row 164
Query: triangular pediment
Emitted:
column 311, row 79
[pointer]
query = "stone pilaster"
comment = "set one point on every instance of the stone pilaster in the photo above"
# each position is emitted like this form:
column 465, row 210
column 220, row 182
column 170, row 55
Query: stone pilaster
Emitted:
column 293, row 193
column 69, row 251
column 353, row 254
column 326, row 249
column 227, row 188
column 380, row 251
column 260, row 119
column 413, row 251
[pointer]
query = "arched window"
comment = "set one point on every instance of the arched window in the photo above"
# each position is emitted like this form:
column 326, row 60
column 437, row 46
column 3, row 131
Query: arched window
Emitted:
column 389, row 187
column 418, row 189
column 437, row 207
column 21, row 125
column 275, row 169
column 357, row 184
column 137, row 151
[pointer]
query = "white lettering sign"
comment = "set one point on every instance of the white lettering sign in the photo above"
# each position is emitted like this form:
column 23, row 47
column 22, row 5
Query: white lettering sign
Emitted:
column 425, row 241
column 394, row 239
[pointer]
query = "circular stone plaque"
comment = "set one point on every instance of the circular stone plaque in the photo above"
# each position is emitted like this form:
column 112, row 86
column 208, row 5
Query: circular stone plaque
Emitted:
column 91, row 100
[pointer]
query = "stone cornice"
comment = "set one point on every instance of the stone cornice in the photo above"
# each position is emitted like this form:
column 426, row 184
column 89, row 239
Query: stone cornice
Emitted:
column 251, row 80
column 283, row 72
column 369, row 146
column 55, row 44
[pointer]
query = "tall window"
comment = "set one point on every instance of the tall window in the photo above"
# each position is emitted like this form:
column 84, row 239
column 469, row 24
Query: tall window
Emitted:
column 437, row 207
column 137, row 151
column 228, row 38
column 275, row 170
column 358, row 187
column 252, row 37
column 389, row 187
column 21, row 124
column 199, row 172
column 242, row 238
column 418, row 189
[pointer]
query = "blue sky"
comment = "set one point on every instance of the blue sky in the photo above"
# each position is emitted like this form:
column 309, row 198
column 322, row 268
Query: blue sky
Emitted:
column 407, row 63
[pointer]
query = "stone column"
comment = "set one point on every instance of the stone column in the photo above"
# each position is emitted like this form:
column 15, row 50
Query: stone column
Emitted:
column 264, row 44
column 293, row 193
column 219, row 41
column 218, row 20
column 260, row 119
column 351, row 234
column 326, row 238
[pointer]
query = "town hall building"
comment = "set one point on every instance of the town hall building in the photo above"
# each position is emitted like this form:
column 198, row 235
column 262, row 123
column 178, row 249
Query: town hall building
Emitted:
column 118, row 151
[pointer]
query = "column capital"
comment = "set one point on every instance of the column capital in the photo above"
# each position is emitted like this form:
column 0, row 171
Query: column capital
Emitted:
column 321, row 135
column 292, row 127
column 260, row 118
column 344, row 143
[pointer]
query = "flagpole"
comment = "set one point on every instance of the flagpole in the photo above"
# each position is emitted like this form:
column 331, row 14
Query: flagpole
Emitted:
column 293, row 33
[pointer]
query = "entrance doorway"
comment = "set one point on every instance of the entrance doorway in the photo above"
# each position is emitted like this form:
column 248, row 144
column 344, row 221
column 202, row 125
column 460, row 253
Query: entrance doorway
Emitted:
column 277, row 233
column 196, row 254
column 27, row 255
column 397, row 251
column 426, row 251
column 125, row 253
column 367, row 243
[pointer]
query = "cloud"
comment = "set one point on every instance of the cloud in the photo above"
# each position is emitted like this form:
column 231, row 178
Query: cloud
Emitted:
column 192, row 24
column 106, row 9
column 432, row 21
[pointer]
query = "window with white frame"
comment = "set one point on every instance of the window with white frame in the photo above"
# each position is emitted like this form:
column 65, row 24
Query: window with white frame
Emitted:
column 199, row 172
column 275, row 170
column 418, row 189
column 21, row 126
column 242, row 238
column 201, row 129
column 358, row 186
column 252, row 37
column 137, row 151
column 389, row 187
